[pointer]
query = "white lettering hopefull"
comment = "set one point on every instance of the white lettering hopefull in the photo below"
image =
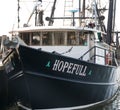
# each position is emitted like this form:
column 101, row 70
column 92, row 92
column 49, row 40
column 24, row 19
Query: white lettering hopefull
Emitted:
column 68, row 67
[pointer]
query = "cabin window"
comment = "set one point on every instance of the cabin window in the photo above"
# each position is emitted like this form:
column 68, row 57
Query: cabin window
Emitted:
column 83, row 38
column 51, row 38
column 47, row 38
column 71, row 38
column 35, row 39
column 59, row 38
column 25, row 37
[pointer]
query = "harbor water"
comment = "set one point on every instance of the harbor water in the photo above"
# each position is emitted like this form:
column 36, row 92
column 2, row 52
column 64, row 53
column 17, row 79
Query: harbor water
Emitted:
column 113, row 105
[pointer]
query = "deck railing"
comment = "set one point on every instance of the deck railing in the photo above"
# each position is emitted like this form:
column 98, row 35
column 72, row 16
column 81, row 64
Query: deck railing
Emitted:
column 108, row 56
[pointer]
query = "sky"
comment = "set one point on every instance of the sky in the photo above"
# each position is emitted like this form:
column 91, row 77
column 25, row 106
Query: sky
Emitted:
column 8, row 15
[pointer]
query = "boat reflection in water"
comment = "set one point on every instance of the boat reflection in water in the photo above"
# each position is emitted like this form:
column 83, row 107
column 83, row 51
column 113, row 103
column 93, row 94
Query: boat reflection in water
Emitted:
column 112, row 105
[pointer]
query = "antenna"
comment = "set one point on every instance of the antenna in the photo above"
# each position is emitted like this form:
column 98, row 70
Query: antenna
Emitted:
column 18, row 13
column 73, row 11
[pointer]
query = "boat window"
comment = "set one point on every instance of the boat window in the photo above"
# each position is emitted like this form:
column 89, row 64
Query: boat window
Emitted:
column 59, row 38
column 47, row 38
column 25, row 37
column 51, row 38
column 83, row 38
column 36, row 39
column 71, row 38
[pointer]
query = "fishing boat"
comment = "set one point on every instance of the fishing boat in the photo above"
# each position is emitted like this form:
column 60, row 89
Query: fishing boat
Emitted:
column 62, row 67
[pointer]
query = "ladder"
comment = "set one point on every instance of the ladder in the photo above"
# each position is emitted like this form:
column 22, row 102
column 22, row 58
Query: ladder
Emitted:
column 68, row 4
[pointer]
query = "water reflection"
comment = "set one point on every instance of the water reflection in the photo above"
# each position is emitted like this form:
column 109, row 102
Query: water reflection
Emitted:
column 114, row 105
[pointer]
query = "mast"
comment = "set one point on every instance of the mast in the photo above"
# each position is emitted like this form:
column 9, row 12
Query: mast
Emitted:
column 52, row 14
column 79, row 12
column 18, row 12
column 83, row 8
column 111, row 21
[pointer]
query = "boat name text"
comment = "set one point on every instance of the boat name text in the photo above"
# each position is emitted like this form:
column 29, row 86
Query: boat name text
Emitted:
column 71, row 68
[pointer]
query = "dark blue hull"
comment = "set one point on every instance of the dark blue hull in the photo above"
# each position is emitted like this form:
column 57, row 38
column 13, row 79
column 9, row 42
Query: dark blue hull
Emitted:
column 3, row 89
column 45, row 80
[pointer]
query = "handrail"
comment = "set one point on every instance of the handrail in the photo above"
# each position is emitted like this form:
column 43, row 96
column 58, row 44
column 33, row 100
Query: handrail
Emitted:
column 86, row 52
column 106, row 52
